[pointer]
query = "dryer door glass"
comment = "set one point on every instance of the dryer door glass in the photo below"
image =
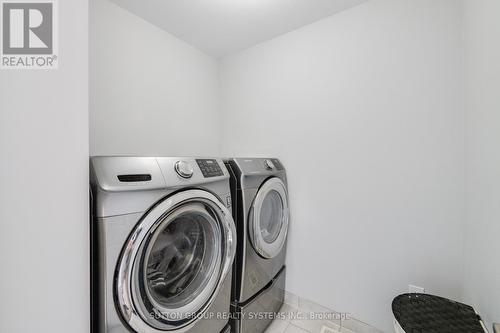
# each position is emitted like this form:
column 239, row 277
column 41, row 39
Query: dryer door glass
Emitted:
column 271, row 216
column 268, row 220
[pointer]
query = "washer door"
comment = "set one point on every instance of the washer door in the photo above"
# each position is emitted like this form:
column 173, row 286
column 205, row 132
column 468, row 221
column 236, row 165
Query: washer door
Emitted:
column 269, row 218
column 175, row 262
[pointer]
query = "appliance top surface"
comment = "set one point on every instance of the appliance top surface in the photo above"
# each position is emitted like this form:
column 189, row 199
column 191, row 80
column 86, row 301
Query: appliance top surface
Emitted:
column 127, row 173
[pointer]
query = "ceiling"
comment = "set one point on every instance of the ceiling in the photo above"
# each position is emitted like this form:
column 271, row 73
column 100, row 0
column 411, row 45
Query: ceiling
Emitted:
column 222, row 27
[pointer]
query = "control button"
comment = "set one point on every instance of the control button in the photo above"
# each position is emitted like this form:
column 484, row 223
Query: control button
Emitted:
column 277, row 164
column 269, row 164
column 184, row 169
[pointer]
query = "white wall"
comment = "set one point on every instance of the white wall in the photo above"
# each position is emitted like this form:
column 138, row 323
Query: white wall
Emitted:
column 150, row 93
column 364, row 109
column 482, row 100
column 44, row 242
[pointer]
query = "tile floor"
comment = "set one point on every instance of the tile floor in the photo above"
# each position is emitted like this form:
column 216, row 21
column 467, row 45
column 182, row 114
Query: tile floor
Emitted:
column 299, row 315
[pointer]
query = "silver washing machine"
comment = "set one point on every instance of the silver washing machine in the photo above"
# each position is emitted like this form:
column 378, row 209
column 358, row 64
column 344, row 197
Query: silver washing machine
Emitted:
column 163, row 244
column 261, row 213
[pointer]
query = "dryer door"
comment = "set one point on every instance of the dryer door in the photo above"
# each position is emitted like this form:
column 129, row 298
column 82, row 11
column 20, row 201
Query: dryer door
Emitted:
column 175, row 262
column 269, row 218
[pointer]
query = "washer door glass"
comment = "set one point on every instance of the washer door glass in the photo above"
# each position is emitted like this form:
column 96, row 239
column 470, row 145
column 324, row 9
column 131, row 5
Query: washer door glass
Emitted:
column 268, row 220
column 180, row 265
column 181, row 257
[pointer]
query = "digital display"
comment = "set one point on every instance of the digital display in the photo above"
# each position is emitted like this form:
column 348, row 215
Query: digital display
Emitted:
column 210, row 168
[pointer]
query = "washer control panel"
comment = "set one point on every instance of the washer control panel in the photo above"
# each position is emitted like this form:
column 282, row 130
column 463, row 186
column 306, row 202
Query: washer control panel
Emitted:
column 209, row 168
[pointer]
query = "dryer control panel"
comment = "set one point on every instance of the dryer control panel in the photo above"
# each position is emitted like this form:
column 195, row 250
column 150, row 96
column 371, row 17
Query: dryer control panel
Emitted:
column 209, row 168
